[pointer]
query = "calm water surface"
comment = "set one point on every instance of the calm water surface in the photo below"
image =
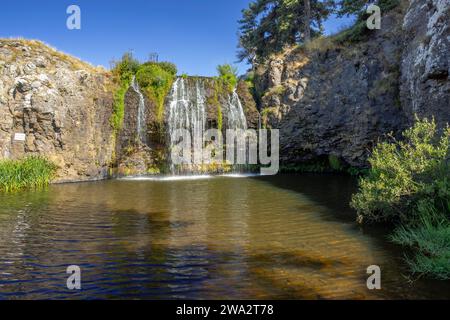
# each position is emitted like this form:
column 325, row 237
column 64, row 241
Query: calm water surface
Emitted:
column 283, row 237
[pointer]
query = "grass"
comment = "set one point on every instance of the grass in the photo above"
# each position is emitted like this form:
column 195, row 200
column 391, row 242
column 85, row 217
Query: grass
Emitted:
column 430, row 241
column 27, row 173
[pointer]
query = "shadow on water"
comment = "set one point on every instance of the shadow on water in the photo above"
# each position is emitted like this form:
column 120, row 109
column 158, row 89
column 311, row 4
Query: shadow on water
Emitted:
column 334, row 192
column 331, row 190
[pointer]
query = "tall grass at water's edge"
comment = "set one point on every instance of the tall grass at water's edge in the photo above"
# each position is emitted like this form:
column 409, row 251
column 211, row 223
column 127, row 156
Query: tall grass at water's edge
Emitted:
column 430, row 240
column 30, row 172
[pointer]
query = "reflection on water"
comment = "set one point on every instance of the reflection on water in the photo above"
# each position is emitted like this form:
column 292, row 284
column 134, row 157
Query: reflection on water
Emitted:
column 270, row 237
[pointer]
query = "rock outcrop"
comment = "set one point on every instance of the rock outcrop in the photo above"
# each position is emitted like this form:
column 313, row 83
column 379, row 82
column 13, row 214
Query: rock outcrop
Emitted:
column 55, row 105
column 425, row 68
column 339, row 99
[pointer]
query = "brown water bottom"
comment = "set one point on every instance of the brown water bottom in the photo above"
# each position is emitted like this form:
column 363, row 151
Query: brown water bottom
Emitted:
column 282, row 237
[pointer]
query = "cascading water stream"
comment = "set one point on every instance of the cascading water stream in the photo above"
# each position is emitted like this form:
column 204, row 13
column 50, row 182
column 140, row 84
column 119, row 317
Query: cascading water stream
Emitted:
column 236, row 116
column 187, row 110
column 140, row 126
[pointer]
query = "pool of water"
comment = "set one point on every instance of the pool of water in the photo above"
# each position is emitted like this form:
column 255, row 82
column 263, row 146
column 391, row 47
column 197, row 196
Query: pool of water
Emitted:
column 282, row 237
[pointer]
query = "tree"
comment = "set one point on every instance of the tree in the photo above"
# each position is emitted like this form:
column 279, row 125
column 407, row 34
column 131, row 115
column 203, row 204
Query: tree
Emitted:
column 307, row 22
column 269, row 25
column 358, row 7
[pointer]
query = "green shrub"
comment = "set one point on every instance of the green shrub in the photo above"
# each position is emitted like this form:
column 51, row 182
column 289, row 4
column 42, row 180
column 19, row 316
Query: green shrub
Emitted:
column 30, row 172
column 155, row 78
column 228, row 75
column 409, row 184
column 156, row 82
column 403, row 173
column 166, row 66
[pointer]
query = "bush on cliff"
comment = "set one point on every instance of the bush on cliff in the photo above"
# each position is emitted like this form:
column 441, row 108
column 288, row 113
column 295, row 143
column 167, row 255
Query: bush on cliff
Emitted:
column 31, row 172
column 409, row 184
column 166, row 66
column 122, row 71
column 228, row 76
column 155, row 78
column 156, row 81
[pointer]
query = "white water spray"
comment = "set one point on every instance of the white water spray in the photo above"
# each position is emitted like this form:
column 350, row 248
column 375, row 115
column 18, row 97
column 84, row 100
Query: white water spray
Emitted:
column 140, row 126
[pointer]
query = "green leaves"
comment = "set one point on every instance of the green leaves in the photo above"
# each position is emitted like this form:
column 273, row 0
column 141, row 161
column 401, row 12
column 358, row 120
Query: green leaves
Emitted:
column 402, row 172
column 155, row 79
column 31, row 172
column 267, row 26
column 409, row 184
column 228, row 75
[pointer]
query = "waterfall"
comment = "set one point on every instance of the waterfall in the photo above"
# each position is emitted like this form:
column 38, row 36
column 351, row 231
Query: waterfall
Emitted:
column 187, row 110
column 235, row 114
column 140, row 126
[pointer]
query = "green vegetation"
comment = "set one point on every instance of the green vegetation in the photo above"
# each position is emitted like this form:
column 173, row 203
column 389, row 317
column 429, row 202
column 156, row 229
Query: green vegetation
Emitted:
column 154, row 78
column 223, row 84
column 430, row 239
column 219, row 118
column 358, row 7
column 268, row 26
column 409, row 185
column 166, row 66
column 228, row 76
column 266, row 113
column 359, row 30
column 275, row 91
column 31, row 172
column 334, row 162
column 122, row 72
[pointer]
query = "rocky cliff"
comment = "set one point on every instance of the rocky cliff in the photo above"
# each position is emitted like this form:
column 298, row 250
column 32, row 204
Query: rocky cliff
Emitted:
column 338, row 98
column 55, row 105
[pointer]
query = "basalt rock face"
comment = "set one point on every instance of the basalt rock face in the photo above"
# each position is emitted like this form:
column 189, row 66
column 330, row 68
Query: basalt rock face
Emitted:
column 340, row 99
column 61, row 104
column 425, row 68
column 135, row 157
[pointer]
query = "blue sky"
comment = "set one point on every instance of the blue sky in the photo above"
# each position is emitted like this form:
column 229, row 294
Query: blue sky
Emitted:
column 196, row 35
